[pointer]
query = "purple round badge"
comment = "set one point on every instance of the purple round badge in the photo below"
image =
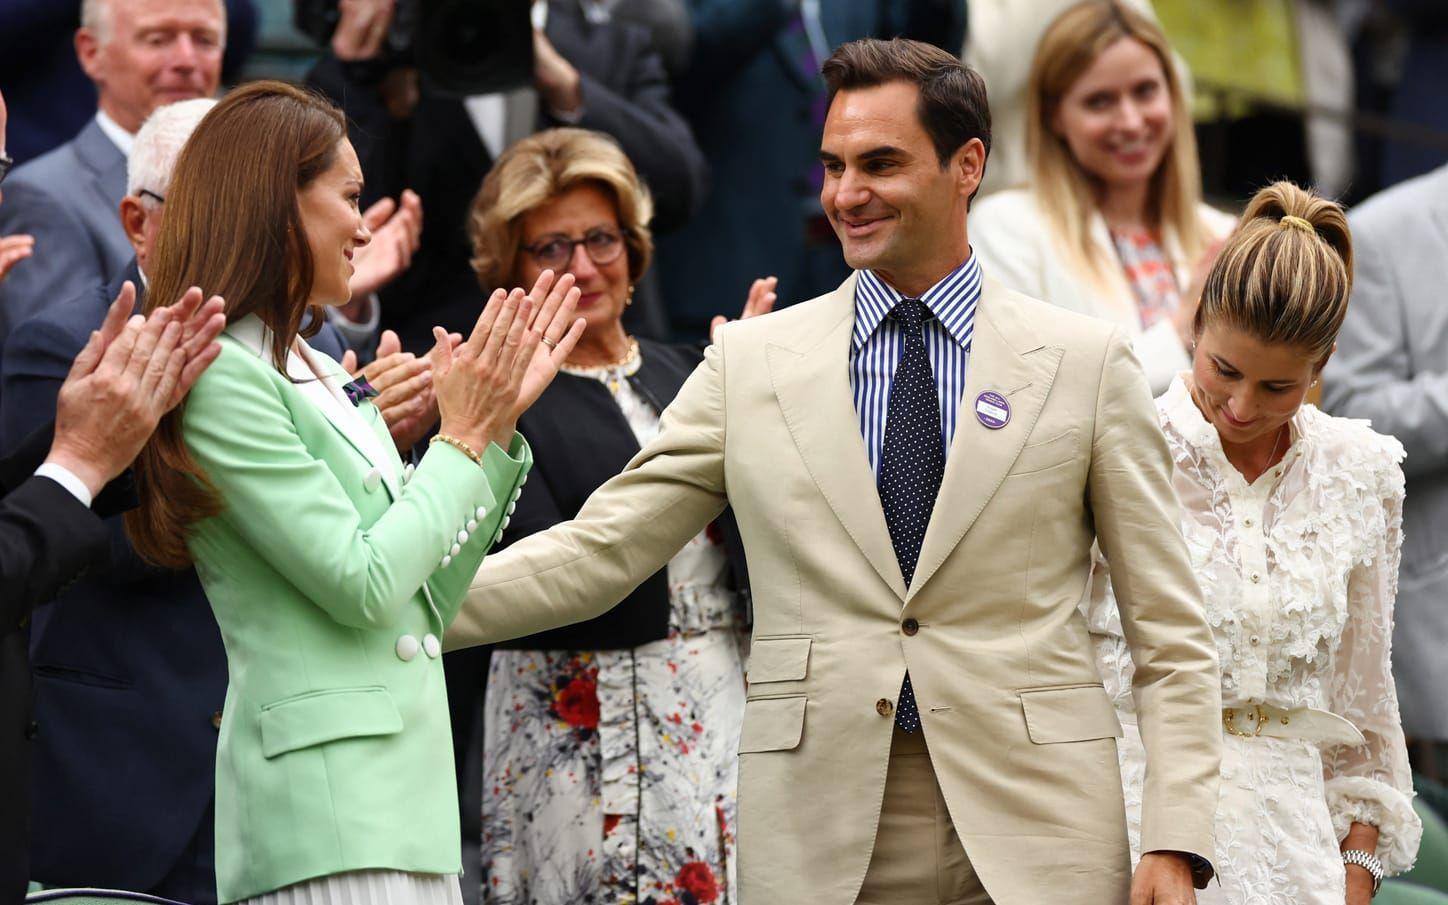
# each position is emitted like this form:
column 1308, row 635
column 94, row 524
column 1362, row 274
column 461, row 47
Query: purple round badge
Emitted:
column 992, row 410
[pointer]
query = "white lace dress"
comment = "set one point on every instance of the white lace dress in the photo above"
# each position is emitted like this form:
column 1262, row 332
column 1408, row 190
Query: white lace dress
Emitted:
column 1298, row 572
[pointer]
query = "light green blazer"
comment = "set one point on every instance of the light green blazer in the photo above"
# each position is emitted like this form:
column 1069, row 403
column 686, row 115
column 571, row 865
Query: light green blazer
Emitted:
column 333, row 572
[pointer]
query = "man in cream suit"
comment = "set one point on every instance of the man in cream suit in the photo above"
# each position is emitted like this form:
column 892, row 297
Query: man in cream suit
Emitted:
column 919, row 463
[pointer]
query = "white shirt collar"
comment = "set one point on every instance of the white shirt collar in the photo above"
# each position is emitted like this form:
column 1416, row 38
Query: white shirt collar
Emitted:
column 119, row 137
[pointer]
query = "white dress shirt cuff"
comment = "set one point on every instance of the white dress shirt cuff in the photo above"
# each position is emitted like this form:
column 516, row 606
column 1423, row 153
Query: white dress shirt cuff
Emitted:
column 67, row 479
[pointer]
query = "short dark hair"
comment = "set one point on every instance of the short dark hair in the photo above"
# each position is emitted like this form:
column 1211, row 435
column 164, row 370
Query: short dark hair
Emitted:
column 953, row 106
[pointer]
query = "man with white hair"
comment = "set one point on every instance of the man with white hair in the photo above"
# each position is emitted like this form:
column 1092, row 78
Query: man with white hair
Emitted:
column 141, row 54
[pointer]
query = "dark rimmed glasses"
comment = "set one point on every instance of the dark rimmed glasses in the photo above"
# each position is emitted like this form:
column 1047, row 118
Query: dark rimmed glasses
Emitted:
column 602, row 244
column 147, row 193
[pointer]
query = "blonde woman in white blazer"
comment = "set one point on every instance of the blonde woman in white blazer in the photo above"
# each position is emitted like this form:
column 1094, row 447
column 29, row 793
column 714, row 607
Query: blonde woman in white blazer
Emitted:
column 1112, row 223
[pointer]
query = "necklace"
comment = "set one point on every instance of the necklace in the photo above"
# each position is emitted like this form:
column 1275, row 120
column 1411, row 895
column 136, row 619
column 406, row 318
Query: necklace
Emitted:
column 1272, row 459
column 625, row 358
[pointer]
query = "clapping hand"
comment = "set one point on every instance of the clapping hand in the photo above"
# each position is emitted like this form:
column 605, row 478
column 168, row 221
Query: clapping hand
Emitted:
column 487, row 381
column 762, row 297
column 13, row 250
column 396, row 234
column 131, row 372
column 404, row 388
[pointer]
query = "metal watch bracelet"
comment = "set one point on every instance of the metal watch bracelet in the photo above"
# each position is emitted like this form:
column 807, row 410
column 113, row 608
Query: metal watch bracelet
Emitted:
column 1368, row 862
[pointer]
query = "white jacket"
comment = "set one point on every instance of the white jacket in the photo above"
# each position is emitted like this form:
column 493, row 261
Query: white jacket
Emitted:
column 1009, row 233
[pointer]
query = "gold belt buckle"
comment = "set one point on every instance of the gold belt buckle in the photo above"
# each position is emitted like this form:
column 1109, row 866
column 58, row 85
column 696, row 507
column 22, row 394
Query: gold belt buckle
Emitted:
column 1229, row 715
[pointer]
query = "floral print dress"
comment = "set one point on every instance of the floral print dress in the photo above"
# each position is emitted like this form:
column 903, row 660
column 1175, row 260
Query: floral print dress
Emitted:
column 609, row 776
column 1298, row 572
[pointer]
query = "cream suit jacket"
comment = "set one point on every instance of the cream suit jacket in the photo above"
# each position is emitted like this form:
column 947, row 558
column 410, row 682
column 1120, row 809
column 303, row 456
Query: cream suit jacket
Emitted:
column 1021, row 733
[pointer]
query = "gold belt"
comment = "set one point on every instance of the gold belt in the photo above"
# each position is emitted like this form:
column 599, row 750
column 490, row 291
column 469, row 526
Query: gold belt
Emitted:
column 1305, row 723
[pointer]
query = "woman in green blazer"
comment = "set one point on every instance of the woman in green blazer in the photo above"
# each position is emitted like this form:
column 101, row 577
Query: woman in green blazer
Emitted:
column 332, row 568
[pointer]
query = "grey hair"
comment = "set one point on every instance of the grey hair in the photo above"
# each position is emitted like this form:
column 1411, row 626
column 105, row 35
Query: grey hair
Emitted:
column 96, row 16
column 158, row 144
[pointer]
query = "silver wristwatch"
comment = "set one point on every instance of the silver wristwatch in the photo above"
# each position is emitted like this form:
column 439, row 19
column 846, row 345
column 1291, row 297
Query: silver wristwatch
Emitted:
column 1368, row 862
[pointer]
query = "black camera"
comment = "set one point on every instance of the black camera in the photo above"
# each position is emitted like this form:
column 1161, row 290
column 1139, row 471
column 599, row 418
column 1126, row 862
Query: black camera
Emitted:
column 461, row 47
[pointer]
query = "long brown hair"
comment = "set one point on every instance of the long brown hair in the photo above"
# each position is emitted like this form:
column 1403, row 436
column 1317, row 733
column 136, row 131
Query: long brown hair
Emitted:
column 1285, row 275
column 1067, row 193
column 231, row 226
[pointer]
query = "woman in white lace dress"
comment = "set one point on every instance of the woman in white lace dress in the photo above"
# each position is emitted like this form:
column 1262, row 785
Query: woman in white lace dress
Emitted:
column 1293, row 521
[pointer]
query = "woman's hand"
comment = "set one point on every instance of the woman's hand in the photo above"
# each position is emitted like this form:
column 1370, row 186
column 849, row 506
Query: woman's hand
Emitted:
column 760, row 301
column 1359, row 885
column 478, row 382
column 558, row 332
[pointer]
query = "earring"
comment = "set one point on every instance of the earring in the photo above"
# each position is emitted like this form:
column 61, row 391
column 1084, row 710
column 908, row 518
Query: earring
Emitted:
column 629, row 301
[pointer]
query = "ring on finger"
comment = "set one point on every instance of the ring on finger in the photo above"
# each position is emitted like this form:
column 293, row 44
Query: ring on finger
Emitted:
column 549, row 343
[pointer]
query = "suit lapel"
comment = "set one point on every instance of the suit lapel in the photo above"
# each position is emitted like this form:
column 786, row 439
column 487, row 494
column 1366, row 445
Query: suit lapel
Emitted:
column 813, row 388
column 106, row 163
column 1005, row 359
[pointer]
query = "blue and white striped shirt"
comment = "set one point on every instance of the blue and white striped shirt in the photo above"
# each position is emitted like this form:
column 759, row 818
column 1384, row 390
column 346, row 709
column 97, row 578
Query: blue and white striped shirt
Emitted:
column 877, row 341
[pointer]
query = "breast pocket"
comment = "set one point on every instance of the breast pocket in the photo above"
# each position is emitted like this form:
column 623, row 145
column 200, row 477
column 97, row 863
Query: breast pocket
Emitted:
column 1069, row 713
column 1047, row 454
column 778, row 660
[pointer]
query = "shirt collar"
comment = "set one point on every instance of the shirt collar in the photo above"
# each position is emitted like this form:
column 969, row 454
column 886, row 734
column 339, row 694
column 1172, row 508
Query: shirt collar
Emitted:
column 119, row 137
column 952, row 301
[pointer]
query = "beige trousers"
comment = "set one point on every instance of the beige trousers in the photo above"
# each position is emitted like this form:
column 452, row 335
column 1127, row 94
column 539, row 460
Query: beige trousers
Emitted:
column 918, row 858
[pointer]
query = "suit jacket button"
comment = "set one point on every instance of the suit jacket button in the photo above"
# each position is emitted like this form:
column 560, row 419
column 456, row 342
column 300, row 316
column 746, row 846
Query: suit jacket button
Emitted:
column 216, row 720
column 883, row 707
column 32, row 729
column 910, row 626
column 431, row 646
column 373, row 479
column 407, row 648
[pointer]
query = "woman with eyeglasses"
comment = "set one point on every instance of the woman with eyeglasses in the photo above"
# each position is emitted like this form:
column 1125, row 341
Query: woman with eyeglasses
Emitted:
column 608, row 747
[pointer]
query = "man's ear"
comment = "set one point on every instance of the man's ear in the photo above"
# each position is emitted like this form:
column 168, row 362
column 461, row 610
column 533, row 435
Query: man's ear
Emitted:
column 133, row 221
column 88, row 51
column 969, row 166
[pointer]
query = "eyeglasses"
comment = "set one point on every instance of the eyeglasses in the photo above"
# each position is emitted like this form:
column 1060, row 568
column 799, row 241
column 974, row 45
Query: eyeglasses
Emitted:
column 603, row 245
column 6, row 162
column 147, row 193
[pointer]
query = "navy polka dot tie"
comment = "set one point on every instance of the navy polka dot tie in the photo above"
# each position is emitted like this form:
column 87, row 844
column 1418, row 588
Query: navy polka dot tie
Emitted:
column 912, row 461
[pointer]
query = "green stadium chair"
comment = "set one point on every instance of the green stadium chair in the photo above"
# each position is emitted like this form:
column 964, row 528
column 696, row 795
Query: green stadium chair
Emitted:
column 1432, row 867
column 1397, row 892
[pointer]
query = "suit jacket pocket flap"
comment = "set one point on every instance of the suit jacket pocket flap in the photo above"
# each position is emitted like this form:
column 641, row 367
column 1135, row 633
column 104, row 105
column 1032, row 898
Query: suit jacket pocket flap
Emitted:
column 326, row 716
column 1070, row 714
column 778, row 660
column 1047, row 454
column 772, row 724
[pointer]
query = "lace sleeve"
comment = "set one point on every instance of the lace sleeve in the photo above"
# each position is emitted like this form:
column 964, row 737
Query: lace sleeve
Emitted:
column 1372, row 783
column 1113, row 657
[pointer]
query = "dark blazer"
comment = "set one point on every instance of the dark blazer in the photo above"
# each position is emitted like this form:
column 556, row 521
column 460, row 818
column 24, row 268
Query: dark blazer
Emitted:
column 47, row 539
column 756, row 105
column 437, row 153
column 580, row 439
column 130, row 672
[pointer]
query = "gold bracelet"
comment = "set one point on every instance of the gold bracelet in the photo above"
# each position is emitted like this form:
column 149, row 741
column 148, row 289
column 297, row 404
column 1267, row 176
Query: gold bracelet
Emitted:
column 459, row 445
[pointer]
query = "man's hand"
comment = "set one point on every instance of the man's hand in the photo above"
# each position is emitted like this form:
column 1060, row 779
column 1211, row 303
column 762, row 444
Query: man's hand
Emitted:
column 762, row 297
column 13, row 250
column 1163, row 878
column 557, row 81
column 361, row 29
column 131, row 372
column 396, row 234
column 405, row 395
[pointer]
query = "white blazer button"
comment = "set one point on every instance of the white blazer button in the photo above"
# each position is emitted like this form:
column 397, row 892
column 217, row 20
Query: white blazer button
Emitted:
column 512, row 508
column 407, row 648
column 507, row 520
column 431, row 646
column 517, row 492
column 446, row 561
column 482, row 512
column 462, row 537
column 407, row 471
column 472, row 525
column 456, row 549
column 523, row 480
column 499, row 536
column 373, row 480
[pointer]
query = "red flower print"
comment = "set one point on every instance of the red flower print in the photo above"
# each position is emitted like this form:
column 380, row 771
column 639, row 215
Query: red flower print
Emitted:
column 609, row 822
column 697, row 880
column 577, row 704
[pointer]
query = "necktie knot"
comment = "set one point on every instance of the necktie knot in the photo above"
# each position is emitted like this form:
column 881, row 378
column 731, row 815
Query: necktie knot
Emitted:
column 911, row 314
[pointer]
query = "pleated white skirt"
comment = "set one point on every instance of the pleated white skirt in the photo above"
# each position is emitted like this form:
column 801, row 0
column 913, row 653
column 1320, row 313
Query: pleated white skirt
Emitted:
column 368, row 887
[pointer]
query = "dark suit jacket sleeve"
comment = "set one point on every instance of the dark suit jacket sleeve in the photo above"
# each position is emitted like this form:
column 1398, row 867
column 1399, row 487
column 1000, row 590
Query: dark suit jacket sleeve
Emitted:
column 642, row 118
column 730, row 33
column 65, row 262
column 37, row 359
column 47, row 538
column 938, row 22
